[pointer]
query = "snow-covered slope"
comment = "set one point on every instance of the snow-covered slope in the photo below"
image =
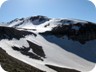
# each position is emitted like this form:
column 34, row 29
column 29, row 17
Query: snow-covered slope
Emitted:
column 28, row 22
column 42, row 23
column 45, row 43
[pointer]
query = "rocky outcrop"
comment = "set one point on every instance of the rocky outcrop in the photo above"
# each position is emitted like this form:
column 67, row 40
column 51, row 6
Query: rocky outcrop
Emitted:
column 11, row 64
column 76, row 32
column 10, row 33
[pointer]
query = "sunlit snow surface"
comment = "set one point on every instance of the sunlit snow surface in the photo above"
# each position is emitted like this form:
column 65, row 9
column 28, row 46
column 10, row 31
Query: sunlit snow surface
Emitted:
column 55, row 55
column 60, row 58
column 2, row 70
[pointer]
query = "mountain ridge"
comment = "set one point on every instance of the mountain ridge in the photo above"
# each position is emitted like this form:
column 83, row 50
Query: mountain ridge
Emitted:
column 51, row 45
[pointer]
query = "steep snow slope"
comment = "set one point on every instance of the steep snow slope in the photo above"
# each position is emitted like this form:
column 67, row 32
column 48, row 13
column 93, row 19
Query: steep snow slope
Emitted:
column 28, row 22
column 44, row 43
column 42, row 23
column 58, row 58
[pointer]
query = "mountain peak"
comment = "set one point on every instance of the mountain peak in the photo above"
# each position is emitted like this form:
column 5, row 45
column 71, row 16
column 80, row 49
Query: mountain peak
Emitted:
column 48, row 45
column 43, row 23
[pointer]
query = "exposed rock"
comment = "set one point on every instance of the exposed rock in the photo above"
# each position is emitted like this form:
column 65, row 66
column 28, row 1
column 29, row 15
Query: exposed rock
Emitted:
column 85, row 32
column 11, row 64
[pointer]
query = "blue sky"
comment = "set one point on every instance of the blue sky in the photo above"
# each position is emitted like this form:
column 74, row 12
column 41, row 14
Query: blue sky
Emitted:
column 77, row 9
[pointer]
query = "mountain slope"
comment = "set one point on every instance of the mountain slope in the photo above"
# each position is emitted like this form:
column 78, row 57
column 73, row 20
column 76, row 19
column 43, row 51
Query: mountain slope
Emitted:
column 51, row 45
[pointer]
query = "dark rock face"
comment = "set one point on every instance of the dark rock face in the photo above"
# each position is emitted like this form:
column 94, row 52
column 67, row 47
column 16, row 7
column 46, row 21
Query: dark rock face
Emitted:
column 37, row 49
column 84, row 35
column 39, row 18
column 11, row 64
column 10, row 33
column 39, row 53
column 85, row 32
column 36, row 20
column 25, row 50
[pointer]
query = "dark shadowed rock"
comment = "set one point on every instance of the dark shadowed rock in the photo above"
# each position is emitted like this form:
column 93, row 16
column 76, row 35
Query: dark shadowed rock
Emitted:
column 11, row 64
column 10, row 33
column 39, row 53
column 80, row 34
column 37, row 49
column 85, row 32
column 25, row 51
